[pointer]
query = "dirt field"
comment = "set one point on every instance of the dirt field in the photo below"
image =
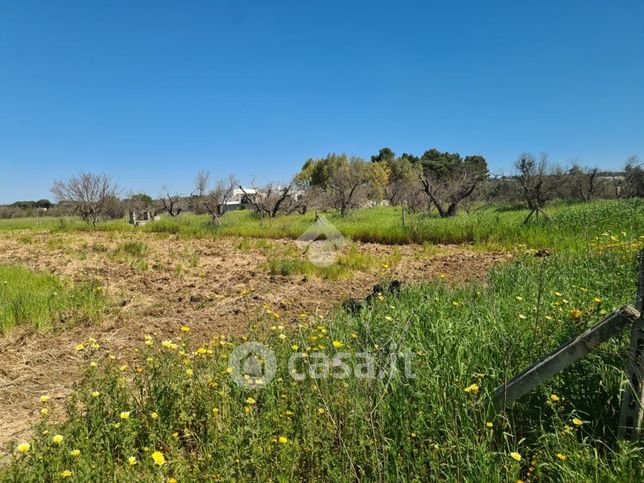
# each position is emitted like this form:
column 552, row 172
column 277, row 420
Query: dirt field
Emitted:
column 215, row 287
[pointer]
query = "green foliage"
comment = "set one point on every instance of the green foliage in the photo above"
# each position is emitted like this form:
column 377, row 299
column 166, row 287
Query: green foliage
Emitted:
column 178, row 399
column 45, row 301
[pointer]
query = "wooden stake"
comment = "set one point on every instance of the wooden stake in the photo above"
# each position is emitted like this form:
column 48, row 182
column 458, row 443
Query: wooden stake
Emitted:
column 632, row 408
column 564, row 356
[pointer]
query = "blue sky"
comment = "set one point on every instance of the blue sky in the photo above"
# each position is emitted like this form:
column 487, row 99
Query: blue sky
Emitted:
column 153, row 91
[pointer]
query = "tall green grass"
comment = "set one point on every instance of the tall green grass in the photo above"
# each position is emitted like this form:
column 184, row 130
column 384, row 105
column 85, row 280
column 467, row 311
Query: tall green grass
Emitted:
column 44, row 300
column 575, row 225
column 179, row 401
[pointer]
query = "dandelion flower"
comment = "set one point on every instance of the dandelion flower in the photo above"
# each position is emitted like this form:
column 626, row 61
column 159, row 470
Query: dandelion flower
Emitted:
column 154, row 416
column 24, row 447
column 44, row 399
column 92, row 364
column 250, row 400
column 66, row 474
column 158, row 458
column 597, row 300
column 125, row 415
column 80, row 347
column 562, row 456
column 554, row 397
column 577, row 422
column 58, row 439
column 320, row 410
column 189, row 372
column 575, row 314
column 44, row 411
column 489, row 424
column 295, row 347
column 282, row 440
column 185, row 328
column 95, row 394
column 515, row 456
column 337, row 344
column 131, row 461
column 75, row 453
column 473, row 388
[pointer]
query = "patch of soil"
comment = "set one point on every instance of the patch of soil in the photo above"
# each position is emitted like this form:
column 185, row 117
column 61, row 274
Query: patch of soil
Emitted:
column 215, row 287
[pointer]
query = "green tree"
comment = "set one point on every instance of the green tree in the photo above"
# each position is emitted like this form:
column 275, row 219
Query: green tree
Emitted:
column 385, row 155
column 448, row 178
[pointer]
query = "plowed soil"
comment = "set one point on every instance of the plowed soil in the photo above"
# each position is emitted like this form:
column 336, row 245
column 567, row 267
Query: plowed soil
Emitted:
column 215, row 287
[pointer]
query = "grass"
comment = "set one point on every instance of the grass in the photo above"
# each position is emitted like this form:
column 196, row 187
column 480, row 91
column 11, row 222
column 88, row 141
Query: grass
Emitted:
column 570, row 226
column 178, row 400
column 346, row 261
column 175, row 413
column 45, row 301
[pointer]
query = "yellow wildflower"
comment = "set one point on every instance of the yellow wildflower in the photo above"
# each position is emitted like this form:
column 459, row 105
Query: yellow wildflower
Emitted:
column 189, row 372
column 282, row 440
column 320, row 410
column 154, row 416
column 44, row 411
column 44, row 399
column 575, row 314
column 23, row 447
column 489, row 424
column 66, row 474
column 131, row 461
column 58, row 439
column 158, row 458
column 185, row 328
column 473, row 388
column 250, row 400
column 562, row 456
column 337, row 344
column 577, row 422
column 125, row 415
column 515, row 456
column 554, row 397
column 95, row 394
column 75, row 453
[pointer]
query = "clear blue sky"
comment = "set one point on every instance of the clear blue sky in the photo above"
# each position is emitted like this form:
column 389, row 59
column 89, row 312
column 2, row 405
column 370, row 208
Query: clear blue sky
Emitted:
column 152, row 91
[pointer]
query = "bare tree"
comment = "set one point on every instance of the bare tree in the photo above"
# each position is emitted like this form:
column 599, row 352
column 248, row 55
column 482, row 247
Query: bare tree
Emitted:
column 448, row 179
column 538, row 182
column 88, row 193
column 272, row 198
column 583, row 182
column 214, row 200
column 633, row 183
column 173, row 204
column 348, row 184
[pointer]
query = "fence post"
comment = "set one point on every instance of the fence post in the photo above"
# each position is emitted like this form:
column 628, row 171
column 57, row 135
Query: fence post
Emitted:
column 632, row 408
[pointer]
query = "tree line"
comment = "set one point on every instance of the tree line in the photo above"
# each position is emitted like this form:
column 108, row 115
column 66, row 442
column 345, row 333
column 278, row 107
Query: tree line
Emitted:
column 436, row 181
